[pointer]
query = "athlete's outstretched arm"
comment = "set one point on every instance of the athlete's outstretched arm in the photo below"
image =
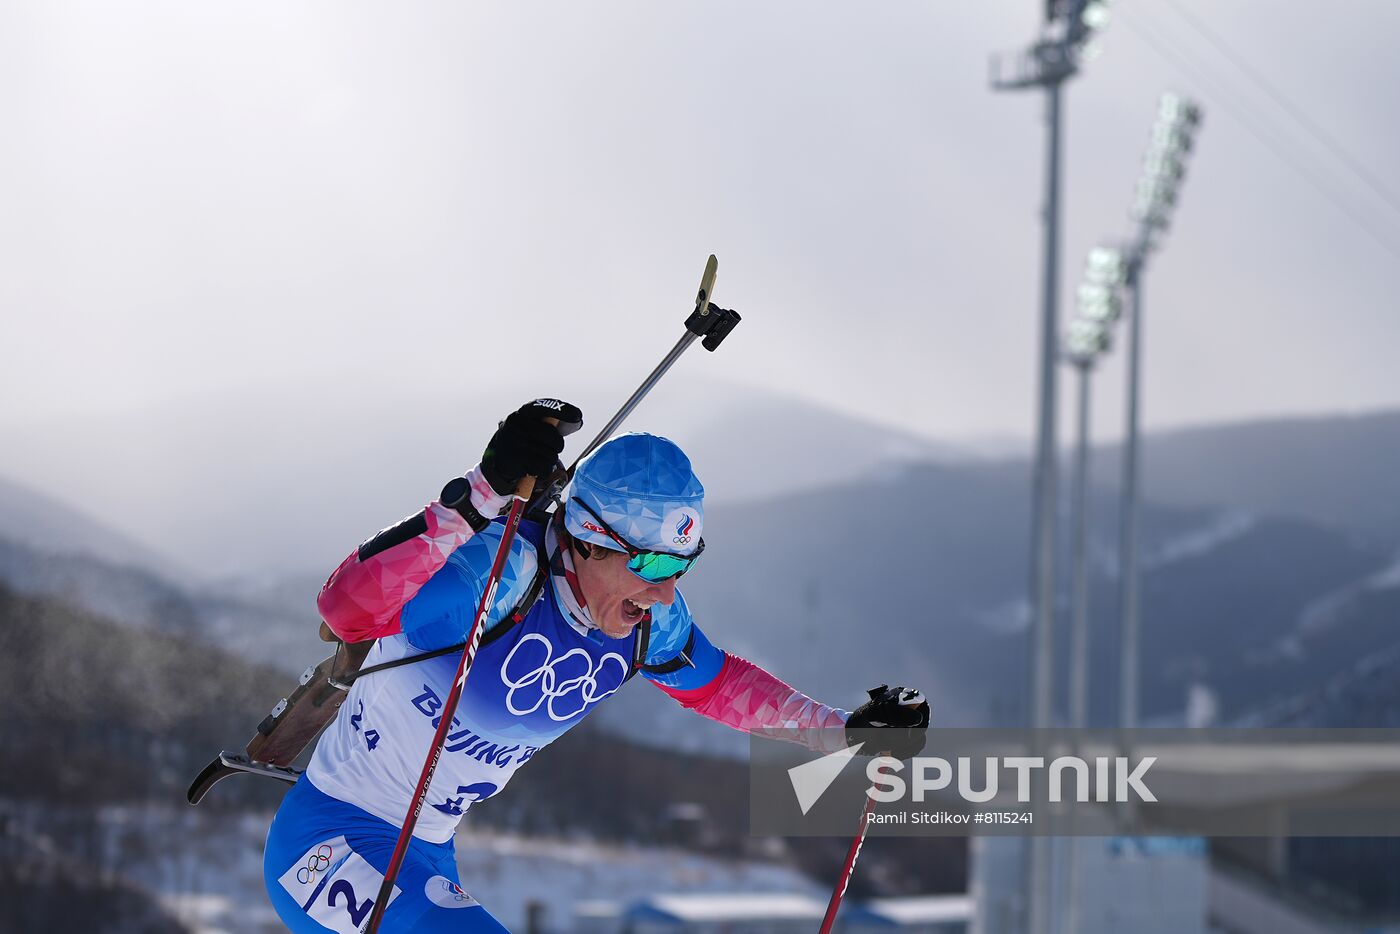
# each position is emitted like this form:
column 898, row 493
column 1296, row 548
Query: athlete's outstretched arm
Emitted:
column 738, row 693
column 735, row 691
column 746, row 697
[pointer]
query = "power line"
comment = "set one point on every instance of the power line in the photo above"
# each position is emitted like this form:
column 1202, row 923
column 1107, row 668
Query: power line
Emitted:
column 1257, row 124
column 1293, row 110
column 1279, row 148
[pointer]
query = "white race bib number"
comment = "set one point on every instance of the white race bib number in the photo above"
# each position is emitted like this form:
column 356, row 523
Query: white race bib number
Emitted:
column 335, row 886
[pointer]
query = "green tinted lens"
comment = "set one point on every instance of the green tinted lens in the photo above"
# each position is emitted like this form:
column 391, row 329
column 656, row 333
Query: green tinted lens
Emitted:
column 654, row 567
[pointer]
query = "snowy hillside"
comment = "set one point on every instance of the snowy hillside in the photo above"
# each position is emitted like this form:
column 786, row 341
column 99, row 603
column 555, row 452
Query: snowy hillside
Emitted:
column 205, row 867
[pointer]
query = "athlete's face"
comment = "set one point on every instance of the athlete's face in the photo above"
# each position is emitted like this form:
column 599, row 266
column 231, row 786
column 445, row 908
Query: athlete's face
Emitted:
column 617, row 599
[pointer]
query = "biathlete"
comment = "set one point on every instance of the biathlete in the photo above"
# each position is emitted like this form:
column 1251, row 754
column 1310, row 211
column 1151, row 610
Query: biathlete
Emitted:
column 603, row 575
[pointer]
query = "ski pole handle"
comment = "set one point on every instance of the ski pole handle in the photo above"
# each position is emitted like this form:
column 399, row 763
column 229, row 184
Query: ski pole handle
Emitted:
column 526, row 487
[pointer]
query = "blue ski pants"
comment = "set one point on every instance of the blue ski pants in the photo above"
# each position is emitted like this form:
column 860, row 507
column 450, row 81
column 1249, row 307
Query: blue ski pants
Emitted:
column 324, row 864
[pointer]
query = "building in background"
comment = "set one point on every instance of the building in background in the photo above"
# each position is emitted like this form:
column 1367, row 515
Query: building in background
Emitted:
column 1146, row 885
column 919, row 914
column 746, row 913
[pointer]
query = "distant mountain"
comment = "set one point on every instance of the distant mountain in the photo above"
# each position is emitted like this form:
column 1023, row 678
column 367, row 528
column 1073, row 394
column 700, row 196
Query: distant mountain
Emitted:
column 1284, row 604
column 1364, row 688
column 1338, row 470
column 912, row 571
column 262, row 628
column 122, row 592
column 289, row 482
column 47, row 524
column 923, row 581
column 749, row 445
column 919, row 576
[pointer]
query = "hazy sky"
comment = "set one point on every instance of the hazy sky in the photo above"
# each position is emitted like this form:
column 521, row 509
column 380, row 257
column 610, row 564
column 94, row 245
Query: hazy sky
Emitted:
column 201, row 197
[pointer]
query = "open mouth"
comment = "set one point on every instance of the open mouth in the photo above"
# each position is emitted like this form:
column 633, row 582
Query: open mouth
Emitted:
column 631, row 612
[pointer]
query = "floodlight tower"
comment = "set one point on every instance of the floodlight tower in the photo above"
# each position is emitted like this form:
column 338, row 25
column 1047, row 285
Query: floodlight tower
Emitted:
column 1048, row 63
column 1164, row 169
column 1086, row 340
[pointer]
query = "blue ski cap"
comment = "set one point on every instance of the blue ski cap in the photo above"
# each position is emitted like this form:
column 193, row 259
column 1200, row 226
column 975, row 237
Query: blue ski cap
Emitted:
column 642, row 486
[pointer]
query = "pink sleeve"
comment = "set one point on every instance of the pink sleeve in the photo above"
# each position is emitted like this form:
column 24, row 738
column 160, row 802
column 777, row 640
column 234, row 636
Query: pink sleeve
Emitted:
column 746, row 697
column 362, row 599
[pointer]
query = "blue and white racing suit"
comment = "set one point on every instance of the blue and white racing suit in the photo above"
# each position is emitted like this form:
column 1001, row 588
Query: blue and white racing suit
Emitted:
column 529, row 683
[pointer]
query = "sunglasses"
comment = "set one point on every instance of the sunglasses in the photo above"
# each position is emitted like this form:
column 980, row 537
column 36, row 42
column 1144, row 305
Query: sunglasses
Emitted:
column 654, row 567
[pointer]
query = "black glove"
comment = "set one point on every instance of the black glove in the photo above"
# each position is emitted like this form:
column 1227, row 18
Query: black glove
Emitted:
column 901, row 711
column 524, row 445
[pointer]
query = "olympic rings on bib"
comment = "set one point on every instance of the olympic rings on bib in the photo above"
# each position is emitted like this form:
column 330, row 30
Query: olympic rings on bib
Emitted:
column 563, row 697
column 315, row 863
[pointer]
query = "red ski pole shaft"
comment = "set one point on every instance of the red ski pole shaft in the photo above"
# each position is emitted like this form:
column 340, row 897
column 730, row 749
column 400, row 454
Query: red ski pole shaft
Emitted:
column 848, row 868
column 449, row 707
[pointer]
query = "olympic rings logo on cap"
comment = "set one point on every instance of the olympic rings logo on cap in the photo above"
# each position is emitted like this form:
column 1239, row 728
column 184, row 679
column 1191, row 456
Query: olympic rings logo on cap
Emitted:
column 684, row 524
column 316, row 862
column 563, row 698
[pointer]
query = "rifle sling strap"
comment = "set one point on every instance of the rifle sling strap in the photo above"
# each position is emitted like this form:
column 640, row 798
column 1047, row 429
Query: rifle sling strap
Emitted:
column 522, row 609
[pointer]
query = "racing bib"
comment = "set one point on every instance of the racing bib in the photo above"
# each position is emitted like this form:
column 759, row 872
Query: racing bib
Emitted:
column 335, row 886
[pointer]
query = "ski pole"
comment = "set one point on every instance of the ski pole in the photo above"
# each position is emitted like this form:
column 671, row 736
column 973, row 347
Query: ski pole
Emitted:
column 449, row 707
column 707, row 321
column 848, row 868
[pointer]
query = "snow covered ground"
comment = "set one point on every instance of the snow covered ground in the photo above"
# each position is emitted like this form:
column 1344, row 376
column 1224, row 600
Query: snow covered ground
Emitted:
column 506, row 872
column 206, row 867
